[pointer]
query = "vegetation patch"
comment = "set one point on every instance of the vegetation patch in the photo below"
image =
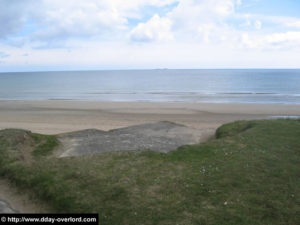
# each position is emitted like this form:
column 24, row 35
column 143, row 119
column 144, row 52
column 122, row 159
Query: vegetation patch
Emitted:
column 235, row 128
column 45, row 144
column 249, row 175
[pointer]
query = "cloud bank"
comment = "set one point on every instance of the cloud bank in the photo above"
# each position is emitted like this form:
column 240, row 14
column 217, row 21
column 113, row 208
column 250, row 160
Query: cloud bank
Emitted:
column 83, row 34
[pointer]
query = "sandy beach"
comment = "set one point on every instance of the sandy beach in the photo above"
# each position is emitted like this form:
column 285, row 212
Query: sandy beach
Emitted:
column 53, row 116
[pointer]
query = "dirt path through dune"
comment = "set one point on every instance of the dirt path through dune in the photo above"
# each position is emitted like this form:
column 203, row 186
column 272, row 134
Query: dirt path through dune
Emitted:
column 13, row 201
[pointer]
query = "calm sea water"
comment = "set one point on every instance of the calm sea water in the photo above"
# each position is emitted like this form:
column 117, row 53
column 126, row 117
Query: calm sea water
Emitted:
column 219, row 86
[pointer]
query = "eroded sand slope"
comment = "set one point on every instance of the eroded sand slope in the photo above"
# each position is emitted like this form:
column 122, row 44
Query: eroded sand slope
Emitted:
column 160, row 137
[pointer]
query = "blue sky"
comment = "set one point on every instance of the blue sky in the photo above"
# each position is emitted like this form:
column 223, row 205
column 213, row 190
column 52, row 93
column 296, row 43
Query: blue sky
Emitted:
column 146, row 34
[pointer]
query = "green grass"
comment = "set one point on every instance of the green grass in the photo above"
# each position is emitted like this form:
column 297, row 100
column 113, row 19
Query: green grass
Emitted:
column 45, row 144
column 248, row 175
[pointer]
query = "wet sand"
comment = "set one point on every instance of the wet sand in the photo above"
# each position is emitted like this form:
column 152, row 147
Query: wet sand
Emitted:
column 53, row 117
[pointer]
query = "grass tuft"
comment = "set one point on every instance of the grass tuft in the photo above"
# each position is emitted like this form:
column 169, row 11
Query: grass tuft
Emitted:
column 235, row 128
column 45, row 144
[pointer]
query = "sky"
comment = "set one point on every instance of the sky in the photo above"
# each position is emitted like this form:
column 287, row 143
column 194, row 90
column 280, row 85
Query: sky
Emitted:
column 50, row 35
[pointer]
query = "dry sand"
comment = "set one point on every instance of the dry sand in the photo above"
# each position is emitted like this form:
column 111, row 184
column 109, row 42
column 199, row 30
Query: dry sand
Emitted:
column 52, row 117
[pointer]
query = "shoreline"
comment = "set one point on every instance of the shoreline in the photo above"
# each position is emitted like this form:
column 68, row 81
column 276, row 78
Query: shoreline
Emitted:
column 59, row 116
column 144, row 101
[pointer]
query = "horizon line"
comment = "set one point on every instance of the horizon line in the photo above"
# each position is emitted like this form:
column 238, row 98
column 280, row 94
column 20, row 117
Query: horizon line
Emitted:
column 136, row 69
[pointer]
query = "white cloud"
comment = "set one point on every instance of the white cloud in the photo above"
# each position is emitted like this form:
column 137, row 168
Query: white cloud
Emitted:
column 239, row 2
column 294, row 24
column 206, row 31
column 3, row 55
column 69, row 19
column 172, row 54
column 156, row 29
column 282, row 37
column 189, row 14
column 214, row 33
column 257, row 24
column 290, row 22
column 191, row 33
column 13, row 15
column 272, row 41
column 58, row 20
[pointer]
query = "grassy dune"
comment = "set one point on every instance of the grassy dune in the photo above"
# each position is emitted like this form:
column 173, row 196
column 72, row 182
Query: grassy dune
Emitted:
column 248, row 175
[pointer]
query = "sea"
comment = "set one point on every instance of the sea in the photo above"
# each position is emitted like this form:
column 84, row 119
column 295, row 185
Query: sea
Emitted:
column 263, row 86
